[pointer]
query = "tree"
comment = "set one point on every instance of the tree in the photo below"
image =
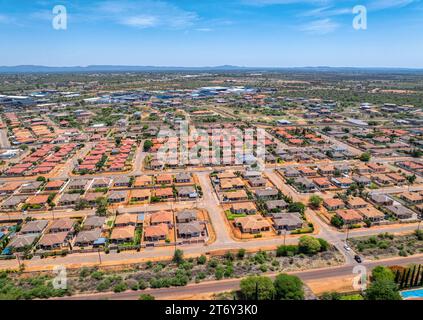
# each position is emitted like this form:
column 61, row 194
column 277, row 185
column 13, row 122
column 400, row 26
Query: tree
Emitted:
column 257, row 288
column 382, row 290
column 241, row 253
column 297, row 207
column 365, row 156
column 337, row 221
column 315, row 202
column 147, row 145
column 309, row 245
column 381, row 273
column 101, row 206
column 288, row 287
column 324, row 245
column 202, row 259
column 178, row 256
column 146, row 296
column 411, row 178
column 286, row 250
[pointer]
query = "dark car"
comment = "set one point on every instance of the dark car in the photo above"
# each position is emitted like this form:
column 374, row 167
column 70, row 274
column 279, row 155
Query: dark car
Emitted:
column 357, row 258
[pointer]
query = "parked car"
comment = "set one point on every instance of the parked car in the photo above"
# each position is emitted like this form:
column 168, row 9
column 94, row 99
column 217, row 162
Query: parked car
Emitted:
column 358, row 258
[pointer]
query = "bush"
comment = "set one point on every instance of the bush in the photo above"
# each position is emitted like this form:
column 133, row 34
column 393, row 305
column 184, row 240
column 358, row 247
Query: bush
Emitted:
column 178, row 256
column 120, row 287
column 288, row 287
column 309, row 245
column 146, row 297
column 241, row 254
column 324, row 245
column 257, row 287
column 286, row 250
column 202, row 259
column 383, row 290
column 380, row 273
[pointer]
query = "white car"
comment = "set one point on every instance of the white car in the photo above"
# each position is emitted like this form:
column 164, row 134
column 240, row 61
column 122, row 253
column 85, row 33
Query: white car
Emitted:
column 346, row 247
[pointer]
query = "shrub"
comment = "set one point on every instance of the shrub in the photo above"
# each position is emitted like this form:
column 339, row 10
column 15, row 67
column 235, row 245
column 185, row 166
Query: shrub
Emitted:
column 257, row 287
column 288, row 287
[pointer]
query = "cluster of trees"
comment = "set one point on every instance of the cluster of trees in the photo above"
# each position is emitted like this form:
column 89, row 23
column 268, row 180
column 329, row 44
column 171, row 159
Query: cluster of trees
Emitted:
column 284, row 287
column 306, row 245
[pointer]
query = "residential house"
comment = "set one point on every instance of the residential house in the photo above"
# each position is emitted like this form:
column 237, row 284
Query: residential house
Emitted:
column 186, row 215
column 161, row 217
column 252, row 224
column 117, row 196
column 356, row 203
column 122, row 181
column 349, row 216
column 381, row 199
column 192, row 229
column 21, row 242
column 333, row 204
column 164, row 179
column 79, row 184
column 399, row 211
column 164, row 193
column 267, row 194
column 156, row 232
column 183, row 178
column 51, row 241
column 143, row 181
column 412, row 197
column 243, row 208
column 34, row 227
column 13, row 202
column 62, row 225
column 139, row 195
column 288, row 221
column 87, row 238
column 123, row 234
column 322, row 183
column 125, row 219
column 342, row 182
column 54, row 185
column 371, row 213
column 93, row 222
column 186, row 192
column 256, row 182
column 235, row 195
column 69, row 199
column 276, row 205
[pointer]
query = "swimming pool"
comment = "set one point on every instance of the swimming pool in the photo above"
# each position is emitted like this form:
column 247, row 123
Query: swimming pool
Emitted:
column 417, row 293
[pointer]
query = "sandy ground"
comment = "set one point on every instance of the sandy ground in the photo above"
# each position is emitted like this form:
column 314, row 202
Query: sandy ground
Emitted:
column 338, row 284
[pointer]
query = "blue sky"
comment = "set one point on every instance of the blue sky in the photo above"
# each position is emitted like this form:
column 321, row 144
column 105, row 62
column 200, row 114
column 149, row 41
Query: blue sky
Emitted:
column 280, row 33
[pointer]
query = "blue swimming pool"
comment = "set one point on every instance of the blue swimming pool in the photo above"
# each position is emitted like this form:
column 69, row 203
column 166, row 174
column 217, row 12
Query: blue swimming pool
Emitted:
column 417, row 293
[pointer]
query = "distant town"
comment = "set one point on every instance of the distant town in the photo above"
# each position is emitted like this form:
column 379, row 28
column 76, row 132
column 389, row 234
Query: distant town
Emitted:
column 136, row 182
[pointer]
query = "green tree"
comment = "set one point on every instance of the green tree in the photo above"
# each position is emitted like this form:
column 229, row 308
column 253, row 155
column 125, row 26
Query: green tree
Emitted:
column 365, row 156
column 381, row 273
column 146, row 296
column 309, row 245
column 315, row 202
column 257, row 287
column 288, row 287
column 178, row 256
column 336, row 221
column 383, row 290
column 147, row 145
column 297, row 207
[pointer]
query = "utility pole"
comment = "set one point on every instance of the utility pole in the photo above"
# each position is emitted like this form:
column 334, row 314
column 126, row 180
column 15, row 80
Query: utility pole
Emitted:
column 99, row 255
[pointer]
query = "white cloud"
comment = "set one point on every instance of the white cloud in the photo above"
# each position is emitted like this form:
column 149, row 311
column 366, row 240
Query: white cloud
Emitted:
column 204, row 29
column 327, row 11
column 5, row 19
column 146, row 14
column 389, row 4
column 141, row 21
column 323, row 26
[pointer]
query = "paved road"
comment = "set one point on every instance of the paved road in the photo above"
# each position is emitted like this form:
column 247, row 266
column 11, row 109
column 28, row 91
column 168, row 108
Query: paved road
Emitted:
column 233, row 284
